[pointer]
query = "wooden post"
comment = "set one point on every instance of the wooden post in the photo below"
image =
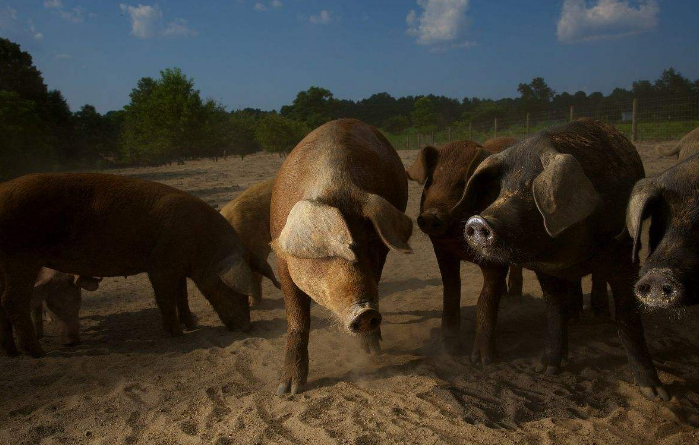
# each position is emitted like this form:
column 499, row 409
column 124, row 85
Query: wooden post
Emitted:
column 634, row 117
column 470, row 131
column 407, row 141
column 448, row 134
column 527, row 124
column 571, row 114
column 496, row 127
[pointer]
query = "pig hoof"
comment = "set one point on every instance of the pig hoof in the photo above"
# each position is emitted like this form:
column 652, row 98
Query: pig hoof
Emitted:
column 655, row 393
column 35, row 352
column 293, row 388
column 450, row 345
column 552, row 370
column 190, row 324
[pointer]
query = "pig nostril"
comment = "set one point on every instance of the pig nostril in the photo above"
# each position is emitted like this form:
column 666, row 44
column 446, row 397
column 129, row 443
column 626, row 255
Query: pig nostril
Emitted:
column 485, row 232
column 354, row 326
column 420, row 221
column 374, row 323
column 470, row 231
column 643, row 289
column 667, row 289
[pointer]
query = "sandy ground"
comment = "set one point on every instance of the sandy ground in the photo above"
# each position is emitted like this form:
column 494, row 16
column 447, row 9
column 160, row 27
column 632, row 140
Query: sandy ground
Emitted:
column 128, row 383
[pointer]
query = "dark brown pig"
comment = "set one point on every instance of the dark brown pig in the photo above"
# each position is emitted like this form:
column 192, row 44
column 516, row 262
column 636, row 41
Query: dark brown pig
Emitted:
column 444, row 171
column 555, row 203
column 337, row 208
column 248, row 213
column 670, row 275
column 107, row 225
column 61, row 292
column 498, row 144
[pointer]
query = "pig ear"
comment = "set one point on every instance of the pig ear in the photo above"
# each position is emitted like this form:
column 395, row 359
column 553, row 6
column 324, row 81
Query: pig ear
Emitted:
column 563, row 193
column 315, row 230
column 235, row 272
column 45, row 275
column 87, row 283
column 643, row 193
column 423, row 165
column 262, row 267
column 484, row 166
column 392, row 225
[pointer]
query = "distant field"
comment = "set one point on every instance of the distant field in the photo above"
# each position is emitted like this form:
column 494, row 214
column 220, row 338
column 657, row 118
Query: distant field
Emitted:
column 647, row 131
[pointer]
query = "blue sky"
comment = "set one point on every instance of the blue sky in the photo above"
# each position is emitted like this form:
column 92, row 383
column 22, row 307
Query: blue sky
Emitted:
column 249, row 53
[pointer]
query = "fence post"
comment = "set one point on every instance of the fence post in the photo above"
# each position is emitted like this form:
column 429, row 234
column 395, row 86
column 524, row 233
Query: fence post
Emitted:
column 448, row 134
column 527, row 123
column 571, row 114
column 407, row 141
column 470, row 130
column 634, row 116
column 496, row 127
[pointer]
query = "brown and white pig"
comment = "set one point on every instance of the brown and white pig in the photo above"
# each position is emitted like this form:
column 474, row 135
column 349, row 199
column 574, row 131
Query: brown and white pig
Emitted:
column 248, row 213
column 670, row 274
column 61, row 292
column 444, row 171
column 686, row 147
column 337, row 208
column 498, row 144
column 555, row 203
column 105, row 225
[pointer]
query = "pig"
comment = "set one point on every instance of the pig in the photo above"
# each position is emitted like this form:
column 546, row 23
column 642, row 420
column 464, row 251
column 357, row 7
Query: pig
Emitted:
column 498, row 144
column 668, row 278
column 249, row 215
column 337, row 208
column 444, row 171
column 555, row 203
column 61, row 292
column 103, row 225
column 686, row 147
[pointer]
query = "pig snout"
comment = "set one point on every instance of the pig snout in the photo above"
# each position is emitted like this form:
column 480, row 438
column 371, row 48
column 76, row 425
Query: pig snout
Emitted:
column 659, row 288
column 363, row 318
column 479, row 233
column 432, row 223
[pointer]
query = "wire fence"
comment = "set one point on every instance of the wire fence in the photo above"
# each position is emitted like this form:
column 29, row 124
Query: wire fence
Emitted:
column 657, row 119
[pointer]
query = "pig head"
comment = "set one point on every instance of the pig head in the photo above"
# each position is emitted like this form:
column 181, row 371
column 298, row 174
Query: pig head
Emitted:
column 331, row 254
column 668, row 278
column 529, row 206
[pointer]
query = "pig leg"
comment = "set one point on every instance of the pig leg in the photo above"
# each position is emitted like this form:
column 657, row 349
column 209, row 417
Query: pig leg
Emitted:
column 450, row 269
column 574, row 303
column 371, row 343
column 599, row 300
column 555, row 291
column 630, row 330
column 64, row 302
column 167, row 288
column 185, row 315
column 256, row 298
column 298, row 317
column 38, row 320
column 6, row 338
column 515, row 281
column 19, row 285
column 487, row 313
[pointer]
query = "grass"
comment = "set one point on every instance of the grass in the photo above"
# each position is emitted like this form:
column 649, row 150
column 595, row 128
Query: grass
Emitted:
column 646, row 131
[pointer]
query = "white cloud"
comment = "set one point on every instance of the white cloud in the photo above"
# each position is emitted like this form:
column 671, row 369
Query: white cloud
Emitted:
column 55, row 4
column 440, row 21
column 276, row 4
column 75, row 15
column 605, row 19
column 324, row 17
column 179, row 28
column 465, row 44
column 147, row 22
column 32, row 29
column 260, row 7
column 63, row 56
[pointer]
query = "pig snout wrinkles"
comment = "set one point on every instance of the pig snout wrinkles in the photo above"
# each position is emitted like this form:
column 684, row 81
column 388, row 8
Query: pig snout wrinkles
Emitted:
column 479, row 233
column 659, row 288
column 363, row 318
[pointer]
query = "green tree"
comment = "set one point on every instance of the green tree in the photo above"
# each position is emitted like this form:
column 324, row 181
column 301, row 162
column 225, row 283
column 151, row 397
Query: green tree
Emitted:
column 396, row 124
column 279, row 134
column 243, row 126
column 165, row 119
column 314, row 107
column 424, row 115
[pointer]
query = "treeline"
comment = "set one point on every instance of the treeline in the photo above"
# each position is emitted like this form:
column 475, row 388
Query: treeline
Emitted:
column 167, row 119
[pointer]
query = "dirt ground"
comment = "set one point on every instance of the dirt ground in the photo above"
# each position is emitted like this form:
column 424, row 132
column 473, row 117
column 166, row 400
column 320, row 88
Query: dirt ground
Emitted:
column 128, row 383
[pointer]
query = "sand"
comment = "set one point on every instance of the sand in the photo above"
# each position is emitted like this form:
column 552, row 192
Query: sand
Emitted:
column 128, row 383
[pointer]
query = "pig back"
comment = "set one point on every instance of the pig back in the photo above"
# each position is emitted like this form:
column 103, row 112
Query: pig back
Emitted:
column 609, row 160
column 337, row 163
